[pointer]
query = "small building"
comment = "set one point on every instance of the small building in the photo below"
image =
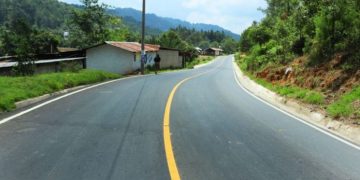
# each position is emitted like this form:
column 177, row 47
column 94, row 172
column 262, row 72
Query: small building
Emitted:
column 119, row 57
column 213, row 51
column 170, row 58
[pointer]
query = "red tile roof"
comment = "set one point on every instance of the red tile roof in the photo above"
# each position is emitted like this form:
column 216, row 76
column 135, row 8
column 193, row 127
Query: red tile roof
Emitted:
column 134, row 46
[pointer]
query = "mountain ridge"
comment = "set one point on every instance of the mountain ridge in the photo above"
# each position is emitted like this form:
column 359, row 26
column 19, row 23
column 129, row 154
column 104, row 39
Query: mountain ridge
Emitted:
column 165, row 23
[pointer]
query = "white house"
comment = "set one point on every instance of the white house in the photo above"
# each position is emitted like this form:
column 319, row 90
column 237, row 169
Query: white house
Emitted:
column 213, row 51
column 170, row 58
column 119, row 57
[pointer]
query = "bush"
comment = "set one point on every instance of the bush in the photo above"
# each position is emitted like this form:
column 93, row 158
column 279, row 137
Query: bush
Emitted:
column 344, row 106
column 314, row 98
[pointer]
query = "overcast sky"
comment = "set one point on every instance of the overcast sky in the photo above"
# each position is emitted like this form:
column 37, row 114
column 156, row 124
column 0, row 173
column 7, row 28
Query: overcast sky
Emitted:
column 235, row 15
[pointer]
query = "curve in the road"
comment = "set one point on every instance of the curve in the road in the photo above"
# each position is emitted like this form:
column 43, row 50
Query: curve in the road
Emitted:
column 173, row 170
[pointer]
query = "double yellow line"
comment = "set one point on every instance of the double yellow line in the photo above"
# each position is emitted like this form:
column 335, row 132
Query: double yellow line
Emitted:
column 171, row 162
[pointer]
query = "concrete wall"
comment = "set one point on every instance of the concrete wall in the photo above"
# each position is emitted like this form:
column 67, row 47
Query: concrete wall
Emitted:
column 111, row 59
column 217, row 53
column 170, row 58
column 149, row 60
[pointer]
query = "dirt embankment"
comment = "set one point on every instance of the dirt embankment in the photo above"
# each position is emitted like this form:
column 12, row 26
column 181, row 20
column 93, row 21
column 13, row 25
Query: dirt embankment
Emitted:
column 333, row 78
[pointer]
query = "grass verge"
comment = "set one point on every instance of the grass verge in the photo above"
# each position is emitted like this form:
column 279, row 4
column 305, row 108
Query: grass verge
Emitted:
column 14, row 89
column 346, row 105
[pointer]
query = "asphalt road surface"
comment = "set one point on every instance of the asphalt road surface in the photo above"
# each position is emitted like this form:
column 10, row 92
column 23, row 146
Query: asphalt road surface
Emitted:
column 218, row 131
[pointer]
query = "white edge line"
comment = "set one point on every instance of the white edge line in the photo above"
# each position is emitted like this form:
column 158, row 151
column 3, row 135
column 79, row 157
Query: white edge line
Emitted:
column 294, row 117
column 61, row 97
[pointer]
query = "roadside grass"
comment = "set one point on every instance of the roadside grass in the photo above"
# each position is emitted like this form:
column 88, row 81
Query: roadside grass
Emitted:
column 302, row 94
column 198, row 61
column 14, row 89
column 344, row 106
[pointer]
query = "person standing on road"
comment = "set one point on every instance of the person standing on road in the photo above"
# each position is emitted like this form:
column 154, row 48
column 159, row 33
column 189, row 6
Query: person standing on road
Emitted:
column 157, row 63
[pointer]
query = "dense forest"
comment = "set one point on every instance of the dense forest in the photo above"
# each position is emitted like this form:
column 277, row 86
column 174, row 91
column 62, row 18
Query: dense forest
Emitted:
column 320, row 29
column 38, row 26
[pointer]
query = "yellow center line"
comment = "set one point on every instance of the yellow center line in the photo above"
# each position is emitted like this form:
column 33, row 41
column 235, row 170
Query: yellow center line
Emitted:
column 171, row 162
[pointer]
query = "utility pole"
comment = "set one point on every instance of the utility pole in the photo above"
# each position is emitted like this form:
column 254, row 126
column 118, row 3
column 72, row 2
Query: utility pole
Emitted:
column 143, row 55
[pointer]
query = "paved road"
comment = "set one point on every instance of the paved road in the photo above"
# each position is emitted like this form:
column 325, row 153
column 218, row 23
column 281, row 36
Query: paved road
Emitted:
column 115, row 131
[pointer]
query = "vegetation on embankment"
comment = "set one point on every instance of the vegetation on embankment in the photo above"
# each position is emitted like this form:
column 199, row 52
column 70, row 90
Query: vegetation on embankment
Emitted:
column 306, row 46
column 347, row 105
column 14, row 89
column 340, row 104
column 287, row 90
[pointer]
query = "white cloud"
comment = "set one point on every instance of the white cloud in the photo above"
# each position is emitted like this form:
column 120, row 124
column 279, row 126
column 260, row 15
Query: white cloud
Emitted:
column 235, row 15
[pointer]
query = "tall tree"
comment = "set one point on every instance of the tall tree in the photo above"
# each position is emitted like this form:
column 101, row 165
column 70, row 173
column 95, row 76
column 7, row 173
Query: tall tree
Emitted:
column 89, row 25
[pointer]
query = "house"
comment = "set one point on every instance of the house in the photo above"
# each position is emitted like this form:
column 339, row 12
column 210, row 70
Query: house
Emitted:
column 213, row 51
column 170, row 58
column 119, row 57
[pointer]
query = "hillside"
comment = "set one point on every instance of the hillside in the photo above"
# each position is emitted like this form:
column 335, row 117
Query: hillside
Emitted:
column 164, row 23
column 41, row 13
column 53, row 14
column 307, row 45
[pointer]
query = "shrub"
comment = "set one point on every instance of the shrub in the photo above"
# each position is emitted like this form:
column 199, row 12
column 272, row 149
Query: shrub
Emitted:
column 314, row 98
column 343, row 106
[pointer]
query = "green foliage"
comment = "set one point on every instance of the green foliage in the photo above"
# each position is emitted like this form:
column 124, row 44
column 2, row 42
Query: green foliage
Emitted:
column 89, row 25
column 40, row 13
column 318, row 28
column 13, row 89
column 345, row 105
column 171, row 39
column 229, row 45
column 314, row 98
column 302, row 94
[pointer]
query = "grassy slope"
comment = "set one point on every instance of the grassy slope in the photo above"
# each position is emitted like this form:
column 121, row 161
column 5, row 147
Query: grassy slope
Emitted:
column 14, row 89
column 302, row 94
column 343, row 107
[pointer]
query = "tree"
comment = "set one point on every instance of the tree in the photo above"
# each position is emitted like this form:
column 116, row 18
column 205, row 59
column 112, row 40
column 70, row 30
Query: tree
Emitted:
column 204, row 44
column 17, row 41
column 117, row 30
column 292, row 28
column 229, row 45
column 90, row 24
column 171, row 39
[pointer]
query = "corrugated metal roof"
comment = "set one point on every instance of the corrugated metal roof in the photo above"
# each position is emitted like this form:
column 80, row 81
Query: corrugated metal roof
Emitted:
column 216, row 49
column 134, row 46
column 66, row 49
column 12, row 64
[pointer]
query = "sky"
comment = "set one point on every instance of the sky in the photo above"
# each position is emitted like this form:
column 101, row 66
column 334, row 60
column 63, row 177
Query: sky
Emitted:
column 234, row 15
